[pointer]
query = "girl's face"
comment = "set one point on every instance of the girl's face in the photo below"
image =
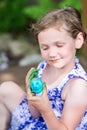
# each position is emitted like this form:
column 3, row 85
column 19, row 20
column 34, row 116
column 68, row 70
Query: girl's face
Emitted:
column 57, row 47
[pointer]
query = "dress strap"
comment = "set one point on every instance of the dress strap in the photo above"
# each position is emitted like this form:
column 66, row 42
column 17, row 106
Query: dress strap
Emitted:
column 41, row 68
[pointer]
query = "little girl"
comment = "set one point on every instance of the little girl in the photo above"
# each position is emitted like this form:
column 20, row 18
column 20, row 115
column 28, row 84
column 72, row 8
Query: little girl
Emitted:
column 63, row 104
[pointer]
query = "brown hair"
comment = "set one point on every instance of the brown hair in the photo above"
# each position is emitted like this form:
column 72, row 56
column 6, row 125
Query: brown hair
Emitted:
column 56, row 18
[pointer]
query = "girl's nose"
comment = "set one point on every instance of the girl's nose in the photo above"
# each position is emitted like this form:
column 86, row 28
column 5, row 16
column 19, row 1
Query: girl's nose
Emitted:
column 52, row 53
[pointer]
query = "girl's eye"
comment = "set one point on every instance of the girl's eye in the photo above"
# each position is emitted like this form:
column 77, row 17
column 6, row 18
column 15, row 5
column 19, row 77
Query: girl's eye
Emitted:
column 44, row 48
column 59, row 45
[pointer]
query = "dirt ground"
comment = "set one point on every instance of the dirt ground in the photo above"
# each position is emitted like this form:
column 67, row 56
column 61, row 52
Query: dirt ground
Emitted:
column 18, row 74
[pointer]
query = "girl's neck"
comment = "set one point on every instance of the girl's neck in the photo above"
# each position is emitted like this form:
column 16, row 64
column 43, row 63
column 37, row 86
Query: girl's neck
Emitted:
column 52, row 75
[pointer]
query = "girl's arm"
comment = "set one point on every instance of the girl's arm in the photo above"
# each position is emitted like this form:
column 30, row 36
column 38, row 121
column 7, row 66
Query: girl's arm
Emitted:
column 75, row 103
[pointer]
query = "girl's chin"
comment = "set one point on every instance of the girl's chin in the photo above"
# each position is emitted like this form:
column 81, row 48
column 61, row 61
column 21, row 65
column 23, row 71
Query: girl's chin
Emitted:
column 57, row 65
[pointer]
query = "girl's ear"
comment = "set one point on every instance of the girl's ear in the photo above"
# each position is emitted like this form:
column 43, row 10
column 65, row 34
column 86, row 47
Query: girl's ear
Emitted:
column 79, row 41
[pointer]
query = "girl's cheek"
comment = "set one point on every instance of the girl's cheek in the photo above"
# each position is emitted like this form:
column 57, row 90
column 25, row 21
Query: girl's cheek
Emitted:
column 44, row 54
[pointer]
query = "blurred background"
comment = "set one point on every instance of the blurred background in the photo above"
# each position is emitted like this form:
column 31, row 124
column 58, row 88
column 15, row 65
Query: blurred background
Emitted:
column 18, row 49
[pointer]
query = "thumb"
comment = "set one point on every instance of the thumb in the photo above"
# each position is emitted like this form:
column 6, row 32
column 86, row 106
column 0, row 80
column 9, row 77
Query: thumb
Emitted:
column 45, row 88
column 29, row 93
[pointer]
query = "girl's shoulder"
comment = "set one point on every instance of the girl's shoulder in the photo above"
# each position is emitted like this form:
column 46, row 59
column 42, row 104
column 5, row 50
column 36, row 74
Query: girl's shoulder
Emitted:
column 78, row 71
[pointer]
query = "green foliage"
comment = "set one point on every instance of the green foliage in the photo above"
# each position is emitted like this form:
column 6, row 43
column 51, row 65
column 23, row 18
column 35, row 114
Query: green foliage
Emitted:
column 12, row 17
column 14, row 14
column 73, row 3
column 43, row 6
column 37, row 11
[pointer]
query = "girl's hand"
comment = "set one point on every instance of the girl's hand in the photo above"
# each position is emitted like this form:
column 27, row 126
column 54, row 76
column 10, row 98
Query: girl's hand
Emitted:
column 41, row 102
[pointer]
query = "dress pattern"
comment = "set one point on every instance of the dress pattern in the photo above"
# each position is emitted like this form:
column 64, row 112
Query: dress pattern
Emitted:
column 21, row 116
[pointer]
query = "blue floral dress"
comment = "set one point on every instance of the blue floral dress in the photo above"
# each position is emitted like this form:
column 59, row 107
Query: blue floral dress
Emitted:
column 21, row 116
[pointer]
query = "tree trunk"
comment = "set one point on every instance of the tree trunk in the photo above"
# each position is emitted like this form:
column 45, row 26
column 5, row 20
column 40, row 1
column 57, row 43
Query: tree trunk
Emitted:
column 84, row 18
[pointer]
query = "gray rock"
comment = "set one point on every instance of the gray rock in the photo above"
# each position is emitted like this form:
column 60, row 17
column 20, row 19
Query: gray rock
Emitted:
column 30, row 59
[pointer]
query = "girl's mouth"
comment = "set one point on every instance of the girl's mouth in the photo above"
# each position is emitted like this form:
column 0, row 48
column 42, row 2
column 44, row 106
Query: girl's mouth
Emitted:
column 54, row 60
